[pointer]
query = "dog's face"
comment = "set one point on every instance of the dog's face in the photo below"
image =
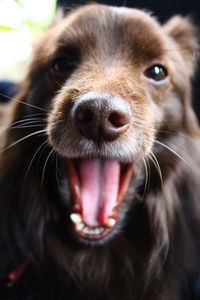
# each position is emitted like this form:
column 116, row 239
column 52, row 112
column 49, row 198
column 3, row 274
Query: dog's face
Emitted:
column 112, row 80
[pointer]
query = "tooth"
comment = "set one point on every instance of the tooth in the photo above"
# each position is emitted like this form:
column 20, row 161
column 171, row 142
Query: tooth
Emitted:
column 111, row 222
column 102, row 229
column 86, row 230
column 79, row 226
column 98, row 230
column 76, row 218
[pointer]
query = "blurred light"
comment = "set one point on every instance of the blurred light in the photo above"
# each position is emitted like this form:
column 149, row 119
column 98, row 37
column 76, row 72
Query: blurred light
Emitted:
column 20, row 21
column 15, row 45
column 37, row 10
column 10, row 14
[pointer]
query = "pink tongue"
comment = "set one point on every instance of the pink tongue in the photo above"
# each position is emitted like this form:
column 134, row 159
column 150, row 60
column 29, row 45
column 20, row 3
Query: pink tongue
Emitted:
column 99, row 189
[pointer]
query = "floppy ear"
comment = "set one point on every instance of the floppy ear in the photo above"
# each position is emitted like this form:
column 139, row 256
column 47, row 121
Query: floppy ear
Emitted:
column 184, row 33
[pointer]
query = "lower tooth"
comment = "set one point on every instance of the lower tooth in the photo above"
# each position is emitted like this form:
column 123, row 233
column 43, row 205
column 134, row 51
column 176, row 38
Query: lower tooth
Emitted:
column 97, row 231
column 79, row 226
column 92, row 231
column 86, row 230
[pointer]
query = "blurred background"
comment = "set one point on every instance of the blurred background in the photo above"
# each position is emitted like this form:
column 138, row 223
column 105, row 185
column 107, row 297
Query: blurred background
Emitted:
column 21, row 21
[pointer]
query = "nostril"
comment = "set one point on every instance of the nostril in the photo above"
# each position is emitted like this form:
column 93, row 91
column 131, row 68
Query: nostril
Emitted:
column 84, row 115
column 118, row 119
column 101, row 117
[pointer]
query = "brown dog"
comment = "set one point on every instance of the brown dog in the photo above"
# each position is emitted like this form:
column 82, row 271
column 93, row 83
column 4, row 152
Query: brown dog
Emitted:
column 99, row 170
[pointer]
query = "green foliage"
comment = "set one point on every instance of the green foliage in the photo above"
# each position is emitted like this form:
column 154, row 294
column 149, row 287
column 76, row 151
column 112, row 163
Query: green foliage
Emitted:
column 5, row 28
column 27, row 19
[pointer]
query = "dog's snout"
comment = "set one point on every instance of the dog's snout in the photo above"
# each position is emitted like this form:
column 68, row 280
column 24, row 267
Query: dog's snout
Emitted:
column 101, row 116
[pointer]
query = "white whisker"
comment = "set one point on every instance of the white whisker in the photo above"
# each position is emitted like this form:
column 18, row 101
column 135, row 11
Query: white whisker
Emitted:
column 146, row 177
column 22, row 122
column 24, row 138
column 45, row 164
column 157, row 166
column 173, row 151
column 19, row 101
column 57, row 169
column 34, row 156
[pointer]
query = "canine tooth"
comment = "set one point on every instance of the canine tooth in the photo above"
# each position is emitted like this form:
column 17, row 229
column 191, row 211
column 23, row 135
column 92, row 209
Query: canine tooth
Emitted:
column 79, row 226
column 76, row 218
column 111, row 222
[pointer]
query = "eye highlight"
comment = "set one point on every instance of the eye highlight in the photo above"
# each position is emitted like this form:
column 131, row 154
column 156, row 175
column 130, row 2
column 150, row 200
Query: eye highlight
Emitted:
column 156, row 72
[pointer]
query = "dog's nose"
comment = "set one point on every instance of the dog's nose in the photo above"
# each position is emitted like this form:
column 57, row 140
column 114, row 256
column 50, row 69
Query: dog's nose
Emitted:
column 101, row 116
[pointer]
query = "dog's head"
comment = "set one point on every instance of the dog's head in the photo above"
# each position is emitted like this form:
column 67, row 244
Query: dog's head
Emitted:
column 113, row 81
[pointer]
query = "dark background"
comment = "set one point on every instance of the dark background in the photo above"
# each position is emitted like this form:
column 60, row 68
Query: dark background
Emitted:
column 163, row 10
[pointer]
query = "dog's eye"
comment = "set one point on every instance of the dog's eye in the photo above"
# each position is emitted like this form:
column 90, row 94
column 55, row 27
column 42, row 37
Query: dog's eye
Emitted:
column 62, row 66
column 156, row 72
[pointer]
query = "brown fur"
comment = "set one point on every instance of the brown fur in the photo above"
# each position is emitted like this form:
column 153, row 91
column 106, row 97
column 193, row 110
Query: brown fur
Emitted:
column 155, row 249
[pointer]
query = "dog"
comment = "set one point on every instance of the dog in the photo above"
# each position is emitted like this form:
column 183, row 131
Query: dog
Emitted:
column 99, row 166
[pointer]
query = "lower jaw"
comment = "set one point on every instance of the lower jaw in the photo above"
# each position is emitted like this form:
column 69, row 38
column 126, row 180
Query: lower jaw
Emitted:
column 92, row 233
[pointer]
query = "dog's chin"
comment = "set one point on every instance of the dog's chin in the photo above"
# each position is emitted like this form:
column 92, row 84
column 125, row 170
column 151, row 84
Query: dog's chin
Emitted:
column 98, row 187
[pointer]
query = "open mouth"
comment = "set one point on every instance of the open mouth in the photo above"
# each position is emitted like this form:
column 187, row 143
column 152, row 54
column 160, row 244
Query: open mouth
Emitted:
column 98, row 187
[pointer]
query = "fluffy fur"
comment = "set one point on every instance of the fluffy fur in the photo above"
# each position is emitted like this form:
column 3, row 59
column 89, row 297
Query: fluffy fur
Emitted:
column 154, row 251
